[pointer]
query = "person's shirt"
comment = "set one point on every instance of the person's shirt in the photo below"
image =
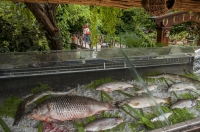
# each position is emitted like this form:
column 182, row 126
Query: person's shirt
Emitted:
column 86, row 31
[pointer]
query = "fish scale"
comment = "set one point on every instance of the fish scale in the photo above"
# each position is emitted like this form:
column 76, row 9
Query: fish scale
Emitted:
column 68, row 108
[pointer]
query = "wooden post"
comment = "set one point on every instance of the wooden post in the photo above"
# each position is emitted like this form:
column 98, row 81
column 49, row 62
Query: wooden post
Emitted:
column 120, row 42
column 163, row 35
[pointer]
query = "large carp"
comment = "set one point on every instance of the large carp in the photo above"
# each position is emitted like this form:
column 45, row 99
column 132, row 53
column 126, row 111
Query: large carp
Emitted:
column 64, row 108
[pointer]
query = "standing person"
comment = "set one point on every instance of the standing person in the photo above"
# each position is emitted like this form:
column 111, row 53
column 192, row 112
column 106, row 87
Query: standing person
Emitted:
column 86, row 33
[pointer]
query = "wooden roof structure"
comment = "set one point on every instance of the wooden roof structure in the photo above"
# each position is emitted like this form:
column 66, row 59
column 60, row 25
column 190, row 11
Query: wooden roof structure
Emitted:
column 154, row 7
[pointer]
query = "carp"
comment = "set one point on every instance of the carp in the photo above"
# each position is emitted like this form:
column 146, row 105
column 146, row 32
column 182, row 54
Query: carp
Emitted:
column 64, row 108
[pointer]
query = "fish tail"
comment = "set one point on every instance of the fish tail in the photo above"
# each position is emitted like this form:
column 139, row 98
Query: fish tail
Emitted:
column 168, row 100
column 110, row 107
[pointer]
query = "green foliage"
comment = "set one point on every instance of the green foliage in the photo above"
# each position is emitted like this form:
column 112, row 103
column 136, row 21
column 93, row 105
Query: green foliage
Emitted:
column 96, row 83
column 187, row 96
column 192, row 75
column 136, row 29
column 132, row 126
column 40, row 126
column 165, row 109
column 71, row 19
column 94, row 25
column 198, row 105
column 79, row 126
column 103, row 20
column 137, row 39
column 9, row 106
column 180, row 115
column 187, row 30
column 4, row 125
column 90, row 119
column 126, row 94
column 41, row 87
column 110, row 17
column 19, row 29
column 106, row 95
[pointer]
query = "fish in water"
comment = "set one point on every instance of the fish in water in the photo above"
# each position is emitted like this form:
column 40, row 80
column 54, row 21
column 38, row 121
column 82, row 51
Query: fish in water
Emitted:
column 150, row 87
column 184, row 103
column 112, row 86
column 161, row 117
column 102, row 124
column 64, row 108
column 29, row 100
column 175, row 77
column 52, row 127
column 181, row 86
column 144, row 101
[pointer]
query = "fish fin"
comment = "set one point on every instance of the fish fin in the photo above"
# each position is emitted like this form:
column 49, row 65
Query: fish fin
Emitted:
column 168, row 100
column 98, row 113
column 136, row 104
column 54, row 120
column 109, row 90
column 121, row 88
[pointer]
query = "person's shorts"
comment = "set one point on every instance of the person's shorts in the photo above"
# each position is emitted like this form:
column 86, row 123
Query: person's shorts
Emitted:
column 86, row 38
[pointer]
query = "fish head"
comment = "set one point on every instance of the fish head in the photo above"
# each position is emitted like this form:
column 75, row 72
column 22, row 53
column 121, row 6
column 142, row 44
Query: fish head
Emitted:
column 102, row 88
column 194, row 102
column 39, row 113
column 34, row 114
column 115, row 121
column 119, row 120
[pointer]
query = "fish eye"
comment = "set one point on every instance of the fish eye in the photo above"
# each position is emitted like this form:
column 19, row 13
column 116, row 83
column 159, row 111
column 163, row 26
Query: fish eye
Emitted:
column 35, row 110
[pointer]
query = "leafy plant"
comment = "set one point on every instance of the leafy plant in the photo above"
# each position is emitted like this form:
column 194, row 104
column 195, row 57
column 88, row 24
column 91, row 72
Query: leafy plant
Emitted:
column 187, row 96
column 19, row 30
column 9, row 106
column 4, row 125
column 71, row 19
column 40, row 126
column 180, row 115
column 79, row 126
column 40, row 88
column 191, row 75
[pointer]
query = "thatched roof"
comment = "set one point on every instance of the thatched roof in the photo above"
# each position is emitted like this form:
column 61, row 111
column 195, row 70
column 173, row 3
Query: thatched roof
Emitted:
column 154, row 7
